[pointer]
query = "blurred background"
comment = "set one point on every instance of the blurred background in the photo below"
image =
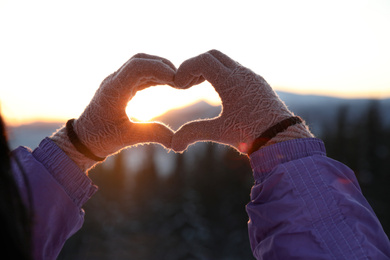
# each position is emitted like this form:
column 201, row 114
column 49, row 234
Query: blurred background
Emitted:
column 328, row 60
column 154, row 204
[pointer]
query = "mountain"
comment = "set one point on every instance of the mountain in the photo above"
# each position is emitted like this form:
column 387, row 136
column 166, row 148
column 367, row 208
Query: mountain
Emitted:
column 321, row 111
column 318, row 111
column 31, row 134
column 176, row 117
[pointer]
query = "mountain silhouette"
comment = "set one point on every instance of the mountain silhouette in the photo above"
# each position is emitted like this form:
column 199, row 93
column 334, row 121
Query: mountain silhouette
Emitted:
column 177, row 117
column 321, row 111
column 318, row 111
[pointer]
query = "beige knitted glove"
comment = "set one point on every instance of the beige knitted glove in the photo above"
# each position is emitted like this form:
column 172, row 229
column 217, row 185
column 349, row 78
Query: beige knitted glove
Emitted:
column 250, row 106
column 104, row 127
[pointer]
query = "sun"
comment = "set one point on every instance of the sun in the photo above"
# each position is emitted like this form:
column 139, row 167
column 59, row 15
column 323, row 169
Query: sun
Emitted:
column 155, row 101
column 147, row 104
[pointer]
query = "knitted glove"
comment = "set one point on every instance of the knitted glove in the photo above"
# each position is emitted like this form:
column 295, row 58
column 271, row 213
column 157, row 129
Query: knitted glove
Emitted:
column 104, row 127
column 250, row 106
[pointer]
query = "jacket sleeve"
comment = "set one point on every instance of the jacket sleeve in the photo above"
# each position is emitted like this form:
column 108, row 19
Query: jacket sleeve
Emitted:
column 54, row 190
column 305, row 205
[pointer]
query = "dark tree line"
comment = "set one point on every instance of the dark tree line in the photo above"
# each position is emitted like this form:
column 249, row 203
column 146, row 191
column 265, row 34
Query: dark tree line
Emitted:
column 364, row 145
column 198, row 210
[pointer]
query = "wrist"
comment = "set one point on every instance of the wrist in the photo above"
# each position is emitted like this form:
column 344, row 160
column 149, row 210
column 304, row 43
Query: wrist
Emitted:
column 297, row 131
column 288, row 129
column 61, row 139
column 78, row 144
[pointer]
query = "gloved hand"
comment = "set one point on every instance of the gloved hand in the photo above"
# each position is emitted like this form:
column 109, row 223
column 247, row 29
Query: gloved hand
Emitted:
column 249, row 105
column 104, row 127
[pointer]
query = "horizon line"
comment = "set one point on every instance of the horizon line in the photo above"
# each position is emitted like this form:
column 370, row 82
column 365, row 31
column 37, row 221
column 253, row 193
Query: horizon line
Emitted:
column 17, row 122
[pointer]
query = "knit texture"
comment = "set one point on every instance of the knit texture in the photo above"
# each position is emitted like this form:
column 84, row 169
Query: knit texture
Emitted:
column 104, row 127
column 249, row 105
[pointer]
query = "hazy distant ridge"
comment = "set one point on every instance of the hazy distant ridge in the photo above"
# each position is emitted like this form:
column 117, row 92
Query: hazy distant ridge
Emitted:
column 177, row 117
column 318, row 111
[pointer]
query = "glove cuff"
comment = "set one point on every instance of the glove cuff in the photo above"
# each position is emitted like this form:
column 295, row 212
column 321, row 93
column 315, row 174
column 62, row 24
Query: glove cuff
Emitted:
column 271, row 132
column 61, row 139
column 74, row 139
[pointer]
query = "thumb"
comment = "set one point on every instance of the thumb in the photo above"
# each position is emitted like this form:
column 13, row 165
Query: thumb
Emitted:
column 212, row 66
column 192, row 132
column 149, row 133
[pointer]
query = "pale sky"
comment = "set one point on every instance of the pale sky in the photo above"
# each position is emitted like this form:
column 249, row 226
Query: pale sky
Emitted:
column 54, row 54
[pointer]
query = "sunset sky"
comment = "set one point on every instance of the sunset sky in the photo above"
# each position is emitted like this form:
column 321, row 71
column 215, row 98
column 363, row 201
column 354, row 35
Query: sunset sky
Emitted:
column 54, row 54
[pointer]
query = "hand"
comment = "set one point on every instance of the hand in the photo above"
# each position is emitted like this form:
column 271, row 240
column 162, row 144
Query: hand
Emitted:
column 250, row 106
column 104, row 127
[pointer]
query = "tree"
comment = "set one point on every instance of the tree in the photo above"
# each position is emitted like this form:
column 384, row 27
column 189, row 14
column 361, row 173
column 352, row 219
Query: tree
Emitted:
column 365, row 148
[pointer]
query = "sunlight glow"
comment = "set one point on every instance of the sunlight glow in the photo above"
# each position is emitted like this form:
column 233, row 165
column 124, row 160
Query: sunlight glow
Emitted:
column 52, row 65
column 155, row 101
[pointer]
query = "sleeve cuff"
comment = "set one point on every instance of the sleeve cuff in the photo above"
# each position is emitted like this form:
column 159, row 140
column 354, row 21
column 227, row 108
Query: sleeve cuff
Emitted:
column 265, row 159
column 74, row 181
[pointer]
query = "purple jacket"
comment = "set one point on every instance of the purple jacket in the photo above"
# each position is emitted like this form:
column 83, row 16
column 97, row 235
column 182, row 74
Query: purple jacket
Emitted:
column 303, row 204
column 58, row 190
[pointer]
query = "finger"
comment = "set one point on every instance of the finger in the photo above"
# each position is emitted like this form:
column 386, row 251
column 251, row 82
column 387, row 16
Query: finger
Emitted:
column 153, row 57
column 205, row 66
column 150, row 133
column 190, row 133
column 224, row 59
column 140, row 71
column 152, row 73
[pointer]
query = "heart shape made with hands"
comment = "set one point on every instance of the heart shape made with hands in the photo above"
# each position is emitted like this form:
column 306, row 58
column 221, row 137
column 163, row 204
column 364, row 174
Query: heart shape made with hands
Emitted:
column 249, row 105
